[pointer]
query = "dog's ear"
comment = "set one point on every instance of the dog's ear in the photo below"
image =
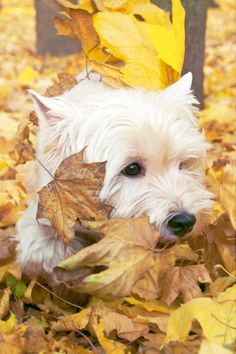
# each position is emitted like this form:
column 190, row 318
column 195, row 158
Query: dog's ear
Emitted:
column 45, row 107
column 184, row 84
column 181, row 90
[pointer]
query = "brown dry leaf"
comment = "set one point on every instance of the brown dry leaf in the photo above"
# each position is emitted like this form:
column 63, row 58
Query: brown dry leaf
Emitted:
column 24, row 149
column 185, row 252
column 10, row 213
column 184, row 281
column 72, row 195
column 221, row 245
column 35, row 339
column 7, row 245
column 104, row 320
column 148, row 288
column 65, row 82
column 126, row 328
column 79, row 26
column 5, row 302
column 110, row 75
column 126, row 252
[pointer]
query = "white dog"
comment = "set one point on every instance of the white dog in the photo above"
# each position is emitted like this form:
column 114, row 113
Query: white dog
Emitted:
column 155, row 160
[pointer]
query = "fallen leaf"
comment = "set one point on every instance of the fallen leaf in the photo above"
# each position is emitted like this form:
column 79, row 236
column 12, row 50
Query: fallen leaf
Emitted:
column 184, row 281
column 125, row 327
column 216, row 318
column 157, row 306
column 76, row 321
column 7, row 245
column 171, row 39
column 126, row 251
column 72, row 195
column 65, row 82
column 5, row 302
column 11, row 339
column 220, row 247
column 109, row 345
column 80, row 26
column 111, row 28
column 8, row 325
column 149, row 287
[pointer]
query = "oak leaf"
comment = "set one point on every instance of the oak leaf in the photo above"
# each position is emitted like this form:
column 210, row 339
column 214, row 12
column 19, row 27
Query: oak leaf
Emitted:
column 72, row 195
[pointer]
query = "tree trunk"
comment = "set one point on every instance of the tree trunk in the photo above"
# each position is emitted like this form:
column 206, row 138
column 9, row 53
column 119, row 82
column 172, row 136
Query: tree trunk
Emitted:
column 47, row 41
column 195, row 29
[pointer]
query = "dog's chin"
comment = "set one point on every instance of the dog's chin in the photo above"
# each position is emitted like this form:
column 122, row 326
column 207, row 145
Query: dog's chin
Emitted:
column 167, row 238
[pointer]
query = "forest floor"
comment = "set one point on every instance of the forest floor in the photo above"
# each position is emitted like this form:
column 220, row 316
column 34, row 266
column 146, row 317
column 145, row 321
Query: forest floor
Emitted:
column 35, row 309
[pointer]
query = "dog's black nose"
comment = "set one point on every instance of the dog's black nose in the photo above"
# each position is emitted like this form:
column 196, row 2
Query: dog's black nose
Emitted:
column 182, row 223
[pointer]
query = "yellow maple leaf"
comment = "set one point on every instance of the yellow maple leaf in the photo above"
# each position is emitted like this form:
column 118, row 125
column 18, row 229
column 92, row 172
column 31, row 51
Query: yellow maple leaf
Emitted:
column 142, row 67
column 170, row 41
column 113, row 33
column 216, row 317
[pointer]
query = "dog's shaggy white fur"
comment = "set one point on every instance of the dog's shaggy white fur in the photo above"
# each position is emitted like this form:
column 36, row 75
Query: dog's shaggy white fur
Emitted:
column 157, row 131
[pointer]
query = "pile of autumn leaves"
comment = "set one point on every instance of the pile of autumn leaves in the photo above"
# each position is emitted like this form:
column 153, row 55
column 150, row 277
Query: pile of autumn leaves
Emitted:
column 136, row 287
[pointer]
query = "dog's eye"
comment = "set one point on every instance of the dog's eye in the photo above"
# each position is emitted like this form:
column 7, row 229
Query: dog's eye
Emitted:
column 132, row 170
column 187, row 164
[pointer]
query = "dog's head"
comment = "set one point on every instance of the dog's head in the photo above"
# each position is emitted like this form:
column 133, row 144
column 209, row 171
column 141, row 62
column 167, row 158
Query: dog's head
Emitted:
column 154, row 150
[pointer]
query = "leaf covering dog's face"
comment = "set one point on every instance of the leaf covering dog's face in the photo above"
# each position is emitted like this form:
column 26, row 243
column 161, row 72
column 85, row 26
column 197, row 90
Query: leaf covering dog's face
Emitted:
column 154, row 151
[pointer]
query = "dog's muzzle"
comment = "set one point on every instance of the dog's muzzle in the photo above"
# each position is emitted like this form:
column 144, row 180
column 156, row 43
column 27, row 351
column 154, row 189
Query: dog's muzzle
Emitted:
column 180, row 224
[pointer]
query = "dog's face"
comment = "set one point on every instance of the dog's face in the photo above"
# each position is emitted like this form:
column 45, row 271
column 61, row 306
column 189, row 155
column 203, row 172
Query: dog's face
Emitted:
column 154, row 151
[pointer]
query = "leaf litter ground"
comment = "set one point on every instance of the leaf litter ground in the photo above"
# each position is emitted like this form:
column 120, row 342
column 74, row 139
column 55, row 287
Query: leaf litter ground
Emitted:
column 37, row 319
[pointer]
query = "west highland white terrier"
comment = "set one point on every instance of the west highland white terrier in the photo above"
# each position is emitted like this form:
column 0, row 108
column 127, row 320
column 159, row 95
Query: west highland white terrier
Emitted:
column 155, row 157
